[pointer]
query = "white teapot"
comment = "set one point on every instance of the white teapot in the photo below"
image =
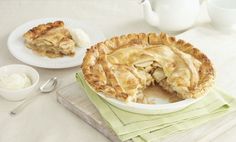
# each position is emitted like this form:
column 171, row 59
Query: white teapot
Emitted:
column 171, row 15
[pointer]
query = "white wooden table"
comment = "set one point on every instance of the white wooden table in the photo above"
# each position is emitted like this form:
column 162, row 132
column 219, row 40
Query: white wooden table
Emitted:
column 45, row 120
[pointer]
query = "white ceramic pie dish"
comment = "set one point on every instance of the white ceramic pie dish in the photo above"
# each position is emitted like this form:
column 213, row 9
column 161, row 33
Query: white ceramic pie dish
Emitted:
column 163, row 108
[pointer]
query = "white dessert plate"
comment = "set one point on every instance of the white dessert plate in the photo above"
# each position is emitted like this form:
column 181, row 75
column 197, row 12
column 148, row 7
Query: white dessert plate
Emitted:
column 162, row 105
column 17, row 47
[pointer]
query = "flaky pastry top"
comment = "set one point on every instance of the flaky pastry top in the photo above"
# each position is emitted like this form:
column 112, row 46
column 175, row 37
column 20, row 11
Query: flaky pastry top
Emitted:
column 122, row 67
column 42, row 29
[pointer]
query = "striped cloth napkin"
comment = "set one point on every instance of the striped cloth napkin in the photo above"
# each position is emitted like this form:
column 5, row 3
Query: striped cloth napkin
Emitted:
column 148, row 128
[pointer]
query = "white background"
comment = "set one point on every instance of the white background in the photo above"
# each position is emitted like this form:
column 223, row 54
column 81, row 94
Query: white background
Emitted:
column 45, row 120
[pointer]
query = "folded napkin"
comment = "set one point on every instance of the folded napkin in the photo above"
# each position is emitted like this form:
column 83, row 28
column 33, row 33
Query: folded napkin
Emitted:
column 147, row 128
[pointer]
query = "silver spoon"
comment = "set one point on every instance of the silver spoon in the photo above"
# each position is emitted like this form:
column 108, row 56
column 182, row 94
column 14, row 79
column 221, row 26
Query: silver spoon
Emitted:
column 47, row 87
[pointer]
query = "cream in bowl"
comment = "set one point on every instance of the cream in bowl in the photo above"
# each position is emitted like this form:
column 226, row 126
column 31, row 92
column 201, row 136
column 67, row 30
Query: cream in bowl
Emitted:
column 14, row 81
column 17, row 81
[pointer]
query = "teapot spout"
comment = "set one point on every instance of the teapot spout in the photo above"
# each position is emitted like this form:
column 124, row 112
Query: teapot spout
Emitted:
column 150, row 16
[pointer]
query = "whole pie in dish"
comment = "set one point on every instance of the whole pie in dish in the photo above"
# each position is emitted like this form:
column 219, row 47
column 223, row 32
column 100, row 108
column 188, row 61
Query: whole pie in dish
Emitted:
column 51, row 40
column 122, row 67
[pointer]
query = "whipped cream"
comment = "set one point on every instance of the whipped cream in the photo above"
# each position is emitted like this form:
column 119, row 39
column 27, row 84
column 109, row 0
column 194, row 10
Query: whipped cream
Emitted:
column 80, row 37
column 14, row 81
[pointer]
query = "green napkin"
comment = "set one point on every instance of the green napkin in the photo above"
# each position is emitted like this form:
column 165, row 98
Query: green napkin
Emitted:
column 147, row 128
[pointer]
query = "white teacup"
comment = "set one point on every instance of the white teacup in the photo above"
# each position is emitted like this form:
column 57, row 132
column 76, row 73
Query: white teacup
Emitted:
column 223, row 14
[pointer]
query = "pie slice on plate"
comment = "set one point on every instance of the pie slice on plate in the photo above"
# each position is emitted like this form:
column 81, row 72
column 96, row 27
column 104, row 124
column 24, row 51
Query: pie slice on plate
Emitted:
column 51, row 40
column 122, row 67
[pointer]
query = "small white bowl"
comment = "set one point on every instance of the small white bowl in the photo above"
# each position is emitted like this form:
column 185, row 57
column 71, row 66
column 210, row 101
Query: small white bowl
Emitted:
column 223, row 14
column 19, row 94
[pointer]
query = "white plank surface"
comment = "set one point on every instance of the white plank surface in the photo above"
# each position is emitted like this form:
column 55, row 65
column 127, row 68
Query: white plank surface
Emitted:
column 75, row 100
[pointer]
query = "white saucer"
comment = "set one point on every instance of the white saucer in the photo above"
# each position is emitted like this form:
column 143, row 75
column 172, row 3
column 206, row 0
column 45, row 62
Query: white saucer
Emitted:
column 18, row 50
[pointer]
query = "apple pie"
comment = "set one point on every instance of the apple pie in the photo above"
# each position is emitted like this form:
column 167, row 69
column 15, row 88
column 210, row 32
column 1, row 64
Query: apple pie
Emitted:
column 122, row 67
column 51, row 40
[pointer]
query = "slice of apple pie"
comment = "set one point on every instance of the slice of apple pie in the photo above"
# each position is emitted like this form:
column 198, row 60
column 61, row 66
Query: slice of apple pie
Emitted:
column 124, row 66
column 51, row 40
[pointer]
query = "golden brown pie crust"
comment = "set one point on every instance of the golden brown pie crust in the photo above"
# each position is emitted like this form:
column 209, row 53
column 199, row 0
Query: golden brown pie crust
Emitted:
column 51, row 40
column 42, row 29
column 101, row 77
